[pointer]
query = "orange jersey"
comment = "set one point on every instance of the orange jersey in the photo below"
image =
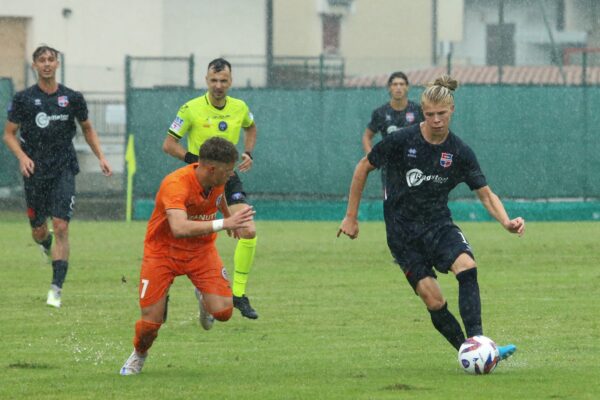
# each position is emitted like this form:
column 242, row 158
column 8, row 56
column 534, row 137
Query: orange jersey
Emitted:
column 181, row 190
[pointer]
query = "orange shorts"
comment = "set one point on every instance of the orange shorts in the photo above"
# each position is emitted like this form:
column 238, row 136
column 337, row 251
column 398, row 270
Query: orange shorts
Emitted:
column 205, row 269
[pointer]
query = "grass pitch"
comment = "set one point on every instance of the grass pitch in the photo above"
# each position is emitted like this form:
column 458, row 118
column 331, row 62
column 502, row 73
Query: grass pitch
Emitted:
column 337, row 319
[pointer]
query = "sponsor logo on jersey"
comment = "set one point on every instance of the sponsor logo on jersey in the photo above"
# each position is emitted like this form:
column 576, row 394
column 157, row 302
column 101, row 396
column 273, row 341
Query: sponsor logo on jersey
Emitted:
column 37, row 102
column 410, row 117
column 63, row 101
column 392, row 128
column 446, row 160
column 43, row 120
column 412, row 152
column 176, row 125
column 222, row 126
column 415, row 177
column 202, row 217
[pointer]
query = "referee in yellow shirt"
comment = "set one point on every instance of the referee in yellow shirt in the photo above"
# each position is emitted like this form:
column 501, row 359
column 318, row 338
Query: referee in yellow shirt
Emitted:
column 216, row 114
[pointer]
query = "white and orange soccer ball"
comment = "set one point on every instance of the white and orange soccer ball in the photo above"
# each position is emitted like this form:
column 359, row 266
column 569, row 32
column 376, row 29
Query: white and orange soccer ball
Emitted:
column 478, row 355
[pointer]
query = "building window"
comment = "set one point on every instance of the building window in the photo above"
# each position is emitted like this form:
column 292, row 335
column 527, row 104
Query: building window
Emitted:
column 331, row 33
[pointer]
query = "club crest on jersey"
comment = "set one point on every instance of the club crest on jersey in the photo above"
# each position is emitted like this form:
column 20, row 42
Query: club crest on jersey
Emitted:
column 222, row 126
column 446, row 160
column 388, row 117
column 219, row 200
column 410, row 117
column 63, row 101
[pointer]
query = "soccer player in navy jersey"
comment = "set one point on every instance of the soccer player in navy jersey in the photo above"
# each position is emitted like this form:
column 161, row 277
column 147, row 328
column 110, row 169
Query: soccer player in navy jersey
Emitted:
column 45, row 115
column 424, row 163
column 397, row 113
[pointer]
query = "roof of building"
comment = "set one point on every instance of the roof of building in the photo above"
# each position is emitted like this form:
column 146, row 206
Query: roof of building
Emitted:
column 489, row 75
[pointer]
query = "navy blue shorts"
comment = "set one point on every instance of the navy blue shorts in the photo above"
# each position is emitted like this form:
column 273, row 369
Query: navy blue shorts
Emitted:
column 52, row 197
column 234, row 190
column 436, row 246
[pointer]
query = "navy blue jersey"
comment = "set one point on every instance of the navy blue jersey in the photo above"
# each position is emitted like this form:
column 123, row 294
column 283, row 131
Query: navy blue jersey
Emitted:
column 420, row 175
column 47, row 127
column 385, row 119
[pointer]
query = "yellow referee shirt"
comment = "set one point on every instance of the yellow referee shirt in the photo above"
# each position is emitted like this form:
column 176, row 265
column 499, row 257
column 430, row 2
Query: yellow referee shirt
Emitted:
column 200, row 120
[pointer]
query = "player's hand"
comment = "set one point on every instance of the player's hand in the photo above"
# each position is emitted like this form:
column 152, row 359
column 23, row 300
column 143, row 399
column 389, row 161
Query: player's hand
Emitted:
column 246, row 163
column 26, row 166
column 516, row 225
column 105, row 167
column 235, row 233
column 349, row 227
column 240, row 219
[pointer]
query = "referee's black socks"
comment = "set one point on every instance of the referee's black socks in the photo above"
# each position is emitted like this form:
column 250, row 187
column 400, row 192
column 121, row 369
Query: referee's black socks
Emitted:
column 469, row 302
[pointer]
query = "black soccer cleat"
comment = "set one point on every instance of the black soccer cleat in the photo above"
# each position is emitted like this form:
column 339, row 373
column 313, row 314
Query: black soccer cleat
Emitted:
column 243, row 304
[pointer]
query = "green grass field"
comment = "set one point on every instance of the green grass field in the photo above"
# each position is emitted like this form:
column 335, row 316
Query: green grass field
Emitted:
column 337, row 319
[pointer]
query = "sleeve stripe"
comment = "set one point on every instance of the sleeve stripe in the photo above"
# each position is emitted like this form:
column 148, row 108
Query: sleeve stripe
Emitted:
column 175, row 135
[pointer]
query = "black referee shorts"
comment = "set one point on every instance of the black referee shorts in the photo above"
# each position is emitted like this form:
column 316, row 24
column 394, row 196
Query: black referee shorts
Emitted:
column 436, row 246
column 52, row 197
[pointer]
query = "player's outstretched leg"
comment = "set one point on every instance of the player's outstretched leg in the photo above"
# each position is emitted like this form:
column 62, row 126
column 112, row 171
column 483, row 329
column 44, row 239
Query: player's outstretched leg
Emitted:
column 133, row 365
column 506, row 351
column 206, row 320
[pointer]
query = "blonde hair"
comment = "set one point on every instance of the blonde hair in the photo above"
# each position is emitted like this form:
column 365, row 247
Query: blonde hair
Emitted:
column 440, row 91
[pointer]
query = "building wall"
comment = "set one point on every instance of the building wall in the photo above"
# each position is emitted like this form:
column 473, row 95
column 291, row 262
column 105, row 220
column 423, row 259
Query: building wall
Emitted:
column 533, row 44
column 96, row 35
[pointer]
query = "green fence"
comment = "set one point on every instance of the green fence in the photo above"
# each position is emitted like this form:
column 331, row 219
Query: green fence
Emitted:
column 532, row 142
column 9, row 167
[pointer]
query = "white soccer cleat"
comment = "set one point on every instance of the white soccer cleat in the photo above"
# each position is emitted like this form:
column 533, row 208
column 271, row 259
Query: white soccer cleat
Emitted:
column 54, row 296
column 133, row 365
column 206, row 320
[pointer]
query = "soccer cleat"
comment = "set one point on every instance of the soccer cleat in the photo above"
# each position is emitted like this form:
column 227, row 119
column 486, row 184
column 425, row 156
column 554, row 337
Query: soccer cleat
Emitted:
column 206, row 320
column 133, row 365
column 243, row 304
column 506, row 351
column 54, row 296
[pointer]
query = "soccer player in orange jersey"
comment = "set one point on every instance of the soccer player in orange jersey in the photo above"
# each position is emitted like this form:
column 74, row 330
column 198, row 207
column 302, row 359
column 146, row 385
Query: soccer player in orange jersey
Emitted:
column 180, row 240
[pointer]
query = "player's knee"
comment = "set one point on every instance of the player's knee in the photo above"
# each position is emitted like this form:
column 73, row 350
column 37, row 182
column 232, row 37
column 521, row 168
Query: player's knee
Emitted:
column 434, row 303
column 223, row 315
column 60, row 226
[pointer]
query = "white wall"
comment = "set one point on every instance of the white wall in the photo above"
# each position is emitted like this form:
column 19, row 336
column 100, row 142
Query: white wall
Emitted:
column 98, row 34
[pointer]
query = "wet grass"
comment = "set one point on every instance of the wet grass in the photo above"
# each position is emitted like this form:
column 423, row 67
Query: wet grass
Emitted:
column 337, row 320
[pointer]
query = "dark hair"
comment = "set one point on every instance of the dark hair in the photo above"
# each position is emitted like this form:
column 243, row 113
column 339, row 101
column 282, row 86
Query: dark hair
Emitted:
column 219, row 64
column 219, row 150
column 397, row 74
column 42, row 49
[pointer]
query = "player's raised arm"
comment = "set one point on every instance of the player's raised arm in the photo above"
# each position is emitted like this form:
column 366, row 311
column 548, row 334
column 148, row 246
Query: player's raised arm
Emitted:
column 349, row 226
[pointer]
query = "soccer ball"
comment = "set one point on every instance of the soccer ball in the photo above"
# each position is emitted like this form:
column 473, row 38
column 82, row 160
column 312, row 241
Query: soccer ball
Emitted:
column 478, row 355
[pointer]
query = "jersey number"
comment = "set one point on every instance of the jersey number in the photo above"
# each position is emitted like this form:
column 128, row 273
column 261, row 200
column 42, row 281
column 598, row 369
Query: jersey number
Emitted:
column 145, row 283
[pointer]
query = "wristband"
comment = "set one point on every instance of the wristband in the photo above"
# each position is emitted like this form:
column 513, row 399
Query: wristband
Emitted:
column 217, row 225
column 190, row 158
column 249, row 154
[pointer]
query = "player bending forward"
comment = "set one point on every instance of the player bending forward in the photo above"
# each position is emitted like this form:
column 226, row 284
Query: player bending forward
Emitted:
column 180, row 240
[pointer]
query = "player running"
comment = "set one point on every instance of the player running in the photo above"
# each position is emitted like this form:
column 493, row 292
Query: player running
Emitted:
column 180, row 240
column 424, row 163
